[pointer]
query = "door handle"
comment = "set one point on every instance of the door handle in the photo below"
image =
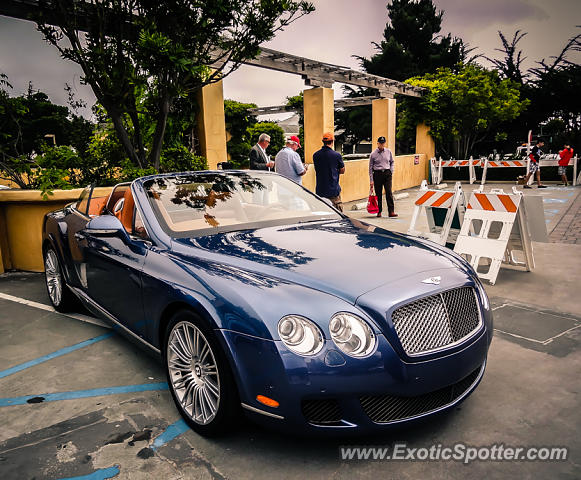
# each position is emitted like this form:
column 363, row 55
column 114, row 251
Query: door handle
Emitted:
column 80, row 235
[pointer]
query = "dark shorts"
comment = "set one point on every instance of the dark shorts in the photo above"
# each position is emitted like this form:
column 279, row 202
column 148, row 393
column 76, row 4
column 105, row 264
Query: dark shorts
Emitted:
column 562, row 170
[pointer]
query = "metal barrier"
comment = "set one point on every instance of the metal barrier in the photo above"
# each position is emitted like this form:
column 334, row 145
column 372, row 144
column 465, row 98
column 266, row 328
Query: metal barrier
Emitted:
column 497, row 162
column 550, row 160
column 437, row 167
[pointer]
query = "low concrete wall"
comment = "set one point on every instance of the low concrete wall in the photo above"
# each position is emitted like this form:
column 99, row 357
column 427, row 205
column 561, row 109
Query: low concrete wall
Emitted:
column 21, row 216
column 355, row 181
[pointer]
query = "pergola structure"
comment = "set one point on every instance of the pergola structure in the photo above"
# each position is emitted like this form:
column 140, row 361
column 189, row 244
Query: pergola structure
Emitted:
column 318, row 105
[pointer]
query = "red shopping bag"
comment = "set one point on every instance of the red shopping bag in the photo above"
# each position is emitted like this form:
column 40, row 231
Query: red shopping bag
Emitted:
column 372, row 206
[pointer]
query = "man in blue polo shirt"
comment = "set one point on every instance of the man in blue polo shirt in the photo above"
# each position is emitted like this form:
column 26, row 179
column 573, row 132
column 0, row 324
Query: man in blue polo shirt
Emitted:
column 328, row 166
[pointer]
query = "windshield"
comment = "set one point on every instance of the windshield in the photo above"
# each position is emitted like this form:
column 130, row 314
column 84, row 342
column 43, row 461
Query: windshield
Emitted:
column 205, row 203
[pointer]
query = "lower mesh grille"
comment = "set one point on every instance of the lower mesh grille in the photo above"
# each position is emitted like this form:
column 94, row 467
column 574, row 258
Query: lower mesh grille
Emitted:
column 321, row 412
column 387, row 408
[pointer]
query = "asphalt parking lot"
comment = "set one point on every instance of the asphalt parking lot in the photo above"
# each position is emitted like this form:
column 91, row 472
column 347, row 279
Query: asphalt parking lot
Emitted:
column 79, row 401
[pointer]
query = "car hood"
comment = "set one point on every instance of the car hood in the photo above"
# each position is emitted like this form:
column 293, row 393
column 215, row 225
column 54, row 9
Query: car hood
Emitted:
column 344, row 257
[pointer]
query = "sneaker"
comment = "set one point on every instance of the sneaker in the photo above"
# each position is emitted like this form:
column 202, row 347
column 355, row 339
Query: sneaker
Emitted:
column 527, row 186
column 542, row 186
column 392, row 215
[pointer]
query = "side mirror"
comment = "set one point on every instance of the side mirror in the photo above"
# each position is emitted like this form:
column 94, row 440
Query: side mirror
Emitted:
column 106, row 226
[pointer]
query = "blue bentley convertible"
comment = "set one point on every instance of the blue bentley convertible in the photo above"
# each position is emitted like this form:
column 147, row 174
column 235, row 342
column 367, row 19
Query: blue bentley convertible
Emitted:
column 259, row 296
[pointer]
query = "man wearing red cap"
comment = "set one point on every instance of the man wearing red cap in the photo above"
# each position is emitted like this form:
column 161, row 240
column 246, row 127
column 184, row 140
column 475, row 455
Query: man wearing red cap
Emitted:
column 328, row 166
column 288, row 162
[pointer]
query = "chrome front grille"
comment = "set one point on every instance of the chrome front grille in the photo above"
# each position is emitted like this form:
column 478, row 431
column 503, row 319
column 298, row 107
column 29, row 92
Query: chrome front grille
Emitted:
column 437, row 321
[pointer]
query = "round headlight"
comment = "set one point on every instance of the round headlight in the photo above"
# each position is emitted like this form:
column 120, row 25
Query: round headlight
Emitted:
column 352, row 335
column 300, row 335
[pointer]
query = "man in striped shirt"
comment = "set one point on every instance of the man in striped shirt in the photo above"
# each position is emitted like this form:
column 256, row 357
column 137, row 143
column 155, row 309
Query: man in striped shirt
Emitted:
column 380, row 175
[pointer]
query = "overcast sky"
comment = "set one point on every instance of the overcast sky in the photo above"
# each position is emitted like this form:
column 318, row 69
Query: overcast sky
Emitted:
column 336, row 31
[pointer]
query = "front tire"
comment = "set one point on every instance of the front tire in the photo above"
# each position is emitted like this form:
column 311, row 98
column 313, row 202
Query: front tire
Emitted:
column 199, row 375
column 61, row 298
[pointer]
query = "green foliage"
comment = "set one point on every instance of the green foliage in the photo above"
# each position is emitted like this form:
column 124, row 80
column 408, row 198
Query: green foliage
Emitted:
column 277, row 140
column 238, row 121
column 180, row 159
column 411, row 44
column 462, row 108
column 296, row 103
column 162, row 51
column 26, row 120
column 552, row 90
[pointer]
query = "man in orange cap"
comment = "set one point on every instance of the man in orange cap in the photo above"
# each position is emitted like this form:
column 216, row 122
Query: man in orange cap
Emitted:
column 328, row 166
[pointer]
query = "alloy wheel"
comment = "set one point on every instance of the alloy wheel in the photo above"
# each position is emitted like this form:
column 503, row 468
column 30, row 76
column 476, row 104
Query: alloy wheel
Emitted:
column 193, row 372
column 54, row 280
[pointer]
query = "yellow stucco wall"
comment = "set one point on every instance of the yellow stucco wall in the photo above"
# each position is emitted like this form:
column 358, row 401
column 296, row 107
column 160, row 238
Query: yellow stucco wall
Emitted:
column 383, row 112
column 424, row 142
column 21, row 216
column 355, row 182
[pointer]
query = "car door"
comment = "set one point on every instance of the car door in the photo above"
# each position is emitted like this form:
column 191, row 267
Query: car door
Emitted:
column 114, row 264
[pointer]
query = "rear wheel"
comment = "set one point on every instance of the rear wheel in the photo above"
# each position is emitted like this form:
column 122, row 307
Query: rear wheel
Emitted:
column 61, row 297
column 199, row 376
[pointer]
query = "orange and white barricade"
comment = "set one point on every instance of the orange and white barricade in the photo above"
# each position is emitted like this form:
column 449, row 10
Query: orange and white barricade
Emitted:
column 444, row 213
column 495, row 230
column 497, row 162
column 439, row 165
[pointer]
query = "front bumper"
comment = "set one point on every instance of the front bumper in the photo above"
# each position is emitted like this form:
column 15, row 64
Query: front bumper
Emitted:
column 317, row 397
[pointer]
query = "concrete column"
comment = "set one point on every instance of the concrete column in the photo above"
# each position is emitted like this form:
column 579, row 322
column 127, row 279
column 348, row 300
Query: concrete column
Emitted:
column 319, row 114
column 383, row 121
column 211, row 124
column 424, row 141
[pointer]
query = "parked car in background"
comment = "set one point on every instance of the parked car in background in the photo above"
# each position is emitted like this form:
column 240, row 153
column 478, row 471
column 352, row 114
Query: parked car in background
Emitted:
column 259, row 296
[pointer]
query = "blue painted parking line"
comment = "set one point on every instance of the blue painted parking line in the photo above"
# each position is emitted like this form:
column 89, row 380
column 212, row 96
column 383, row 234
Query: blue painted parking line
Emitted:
column 171, row 432
column 555, row 200
column 94, row 392
column 50, row 356
column 100, row 474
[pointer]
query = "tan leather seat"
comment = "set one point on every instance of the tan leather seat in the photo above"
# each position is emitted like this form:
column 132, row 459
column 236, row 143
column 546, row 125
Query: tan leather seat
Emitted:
column 124, row 209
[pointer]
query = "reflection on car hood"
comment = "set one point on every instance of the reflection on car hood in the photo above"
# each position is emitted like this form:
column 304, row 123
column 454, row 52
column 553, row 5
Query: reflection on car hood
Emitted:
column 343, row 257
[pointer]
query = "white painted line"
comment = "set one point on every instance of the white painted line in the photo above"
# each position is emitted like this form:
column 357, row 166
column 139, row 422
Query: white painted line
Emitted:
column 542, row 342
column 500, row 306
column 48, row 308
column 560, row 334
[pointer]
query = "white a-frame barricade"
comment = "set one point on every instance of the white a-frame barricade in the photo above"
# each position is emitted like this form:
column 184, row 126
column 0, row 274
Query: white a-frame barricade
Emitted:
column 494, row 231
column 498, row 163
column 438, row 166
column 444, row 213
